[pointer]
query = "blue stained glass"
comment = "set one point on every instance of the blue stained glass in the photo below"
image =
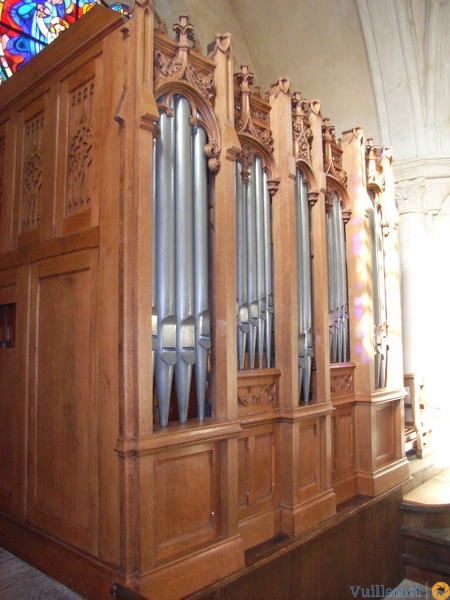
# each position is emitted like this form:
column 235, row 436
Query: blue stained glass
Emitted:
column 27, row 26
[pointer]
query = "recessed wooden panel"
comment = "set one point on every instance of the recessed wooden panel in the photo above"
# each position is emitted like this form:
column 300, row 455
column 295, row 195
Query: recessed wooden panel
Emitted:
column 343, row 441
column 5, row 180
column 264, row 466
column 309, row 458
column 257, row 469
column 187, row 499
column 385, row 434
column 32, row 168
column 8, row 403
column 243, row 470
column 79, row 150
column 63, row 425
column 259, row 518
column 13, row 346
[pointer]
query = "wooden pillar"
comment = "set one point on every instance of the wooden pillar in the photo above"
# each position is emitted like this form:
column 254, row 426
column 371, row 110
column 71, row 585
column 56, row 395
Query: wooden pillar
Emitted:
column 379, row 411
column 224, row 371
column 136, row 114
column 306, row 497
column 179, row 484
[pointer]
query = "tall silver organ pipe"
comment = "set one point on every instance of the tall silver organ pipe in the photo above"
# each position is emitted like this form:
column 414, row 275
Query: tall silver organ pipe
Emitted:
column 251, row 266
column 304, row 290
column 268, row 270
column 337, row 283
column 241, row 243
column 164, row 293
column 254, row 267
column 260, row 258
column 379, row 297
column 201, row 289
column 180, row 261
column 184, row 256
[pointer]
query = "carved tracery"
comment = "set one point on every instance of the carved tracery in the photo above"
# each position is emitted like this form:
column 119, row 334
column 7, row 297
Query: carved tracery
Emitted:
column 302, row 131
column 374, row 172
column 257, row 394
column 78, row 194
column 332, row 154
column 32, row 171
column 174, row 60
column 256, row 183
column 180, row 68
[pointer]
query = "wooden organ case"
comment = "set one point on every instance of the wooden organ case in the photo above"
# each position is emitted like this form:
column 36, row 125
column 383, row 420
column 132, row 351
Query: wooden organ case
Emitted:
column 198, row 292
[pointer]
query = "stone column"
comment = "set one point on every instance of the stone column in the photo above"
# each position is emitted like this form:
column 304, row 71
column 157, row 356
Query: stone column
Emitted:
column 410, row 197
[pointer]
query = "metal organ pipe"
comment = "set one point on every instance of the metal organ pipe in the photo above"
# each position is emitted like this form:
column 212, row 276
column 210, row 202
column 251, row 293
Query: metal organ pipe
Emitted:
column 201, row 289
column 184, row 256
column 254, row 266
column 337, row 283
column 164, row 294
column 241, row 241
column 260, row 258
column 250, row 197
column 331, row 250
column 180, row 263
column 379, row 298
column 268, row 270
column 342, row 275
column 304, row 289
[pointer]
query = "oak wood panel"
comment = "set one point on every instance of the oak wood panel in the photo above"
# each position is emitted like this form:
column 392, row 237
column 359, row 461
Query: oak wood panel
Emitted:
column 187, row 499
column 243, row 471
column 14, row 285
column 109, row 296
column 258, row 488
column 360, row 546
column 63, row 468
column 385, row 433
column 71, row 566
column 309, row 458
column 33, row 124
column 79, row 149
column 258, row 470
column 343, row 441
column 7, row 182
column 343, row 456
column 9, row 402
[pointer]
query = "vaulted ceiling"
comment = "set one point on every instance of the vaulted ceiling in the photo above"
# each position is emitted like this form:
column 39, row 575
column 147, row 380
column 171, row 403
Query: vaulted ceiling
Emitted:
column 318, row 44
column 380, row 64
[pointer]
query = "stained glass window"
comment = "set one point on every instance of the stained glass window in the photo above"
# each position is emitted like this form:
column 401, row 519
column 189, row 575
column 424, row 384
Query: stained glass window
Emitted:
column 27, row 26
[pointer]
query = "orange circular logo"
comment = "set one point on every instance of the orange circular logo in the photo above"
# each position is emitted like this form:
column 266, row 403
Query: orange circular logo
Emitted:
column 440, row 590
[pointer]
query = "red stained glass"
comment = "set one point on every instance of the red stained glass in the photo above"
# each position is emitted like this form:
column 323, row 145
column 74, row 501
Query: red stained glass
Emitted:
column 27, row 26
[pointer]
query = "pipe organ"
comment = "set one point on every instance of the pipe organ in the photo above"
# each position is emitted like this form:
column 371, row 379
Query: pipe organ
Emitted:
column 194, row 336
column 180, row 259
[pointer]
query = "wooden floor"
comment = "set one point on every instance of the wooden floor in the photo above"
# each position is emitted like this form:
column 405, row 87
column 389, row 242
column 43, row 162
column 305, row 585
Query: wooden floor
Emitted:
column 19, row 581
